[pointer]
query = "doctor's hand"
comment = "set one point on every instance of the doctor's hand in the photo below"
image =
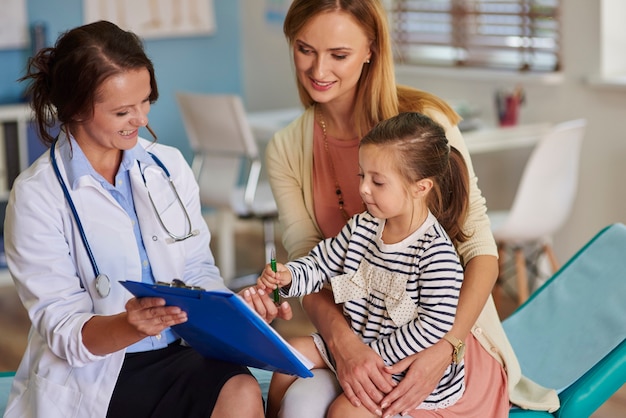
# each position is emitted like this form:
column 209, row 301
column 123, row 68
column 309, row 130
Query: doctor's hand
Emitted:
column 263, row 304
column 150, row 316
column 105, row 334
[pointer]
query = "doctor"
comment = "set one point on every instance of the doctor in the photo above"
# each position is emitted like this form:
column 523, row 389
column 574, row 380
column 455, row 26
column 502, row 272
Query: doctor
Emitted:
column 104, row 205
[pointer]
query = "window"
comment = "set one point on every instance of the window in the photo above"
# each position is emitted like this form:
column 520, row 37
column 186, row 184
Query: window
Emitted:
column 611, row 71
column 521, row 35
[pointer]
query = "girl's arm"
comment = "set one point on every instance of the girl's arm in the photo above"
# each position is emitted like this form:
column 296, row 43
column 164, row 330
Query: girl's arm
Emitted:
column 360, row 370
column 286, row 167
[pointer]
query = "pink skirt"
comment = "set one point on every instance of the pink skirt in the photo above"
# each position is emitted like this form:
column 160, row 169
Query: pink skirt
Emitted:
column 486, row 394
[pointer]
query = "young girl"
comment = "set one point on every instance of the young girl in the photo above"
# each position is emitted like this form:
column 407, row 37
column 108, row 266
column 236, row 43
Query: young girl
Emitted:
column 394, row 267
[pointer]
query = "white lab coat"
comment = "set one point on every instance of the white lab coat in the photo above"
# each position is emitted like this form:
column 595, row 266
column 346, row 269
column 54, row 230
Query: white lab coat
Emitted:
column 58, row 376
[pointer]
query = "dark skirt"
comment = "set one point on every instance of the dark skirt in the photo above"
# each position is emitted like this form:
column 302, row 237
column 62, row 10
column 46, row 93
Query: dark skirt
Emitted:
column 175, row 381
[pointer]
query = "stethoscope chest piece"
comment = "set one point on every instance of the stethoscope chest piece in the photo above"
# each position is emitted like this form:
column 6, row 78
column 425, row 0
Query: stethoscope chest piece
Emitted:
column 103, row 285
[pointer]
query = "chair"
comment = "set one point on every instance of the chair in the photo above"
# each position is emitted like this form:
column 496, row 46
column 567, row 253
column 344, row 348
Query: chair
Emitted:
column 6, row 379
column 227, row 165
column 570, row 334
column 542, row 203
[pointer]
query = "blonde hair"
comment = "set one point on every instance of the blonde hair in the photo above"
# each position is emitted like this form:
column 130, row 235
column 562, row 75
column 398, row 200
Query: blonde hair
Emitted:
column 377, row 98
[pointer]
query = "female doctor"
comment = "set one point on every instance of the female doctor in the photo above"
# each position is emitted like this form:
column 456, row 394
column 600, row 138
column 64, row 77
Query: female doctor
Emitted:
column 101, row 206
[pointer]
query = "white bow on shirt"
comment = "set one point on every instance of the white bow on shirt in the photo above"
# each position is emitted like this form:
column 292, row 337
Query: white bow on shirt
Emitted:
column 369, row 279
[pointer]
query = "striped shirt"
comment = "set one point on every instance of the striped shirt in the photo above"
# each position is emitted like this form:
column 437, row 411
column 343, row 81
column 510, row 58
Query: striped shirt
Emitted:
column 399, row 298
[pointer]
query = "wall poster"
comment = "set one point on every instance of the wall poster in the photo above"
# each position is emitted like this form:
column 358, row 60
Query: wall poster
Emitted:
column 152, row 19
column 13, row 24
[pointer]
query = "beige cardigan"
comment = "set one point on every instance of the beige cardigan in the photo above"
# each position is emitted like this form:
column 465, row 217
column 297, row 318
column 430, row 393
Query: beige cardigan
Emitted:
column 290, row 167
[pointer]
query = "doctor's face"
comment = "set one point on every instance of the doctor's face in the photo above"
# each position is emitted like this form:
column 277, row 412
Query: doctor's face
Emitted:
column 121, row 107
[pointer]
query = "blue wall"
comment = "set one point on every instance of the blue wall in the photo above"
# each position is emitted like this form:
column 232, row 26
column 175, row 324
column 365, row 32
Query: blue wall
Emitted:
column 201, row 64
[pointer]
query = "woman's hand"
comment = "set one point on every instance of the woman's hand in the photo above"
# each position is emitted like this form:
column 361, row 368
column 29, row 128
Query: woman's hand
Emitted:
column 361, row 374
column 360, row 370
column 259, row 300
column 423, row 373
column 105, row 334
column 150, row 316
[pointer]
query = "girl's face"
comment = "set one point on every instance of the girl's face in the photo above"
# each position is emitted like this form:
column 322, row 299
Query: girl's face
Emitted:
column 121, row 108
column 329, row 54
column 383, row 189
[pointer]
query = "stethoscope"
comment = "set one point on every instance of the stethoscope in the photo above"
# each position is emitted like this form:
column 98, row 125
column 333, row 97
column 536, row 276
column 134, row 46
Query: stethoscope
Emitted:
column 102, row 281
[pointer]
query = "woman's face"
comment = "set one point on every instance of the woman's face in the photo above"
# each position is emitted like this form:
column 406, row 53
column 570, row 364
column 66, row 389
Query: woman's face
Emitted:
column 121, row 107
column 329, row 54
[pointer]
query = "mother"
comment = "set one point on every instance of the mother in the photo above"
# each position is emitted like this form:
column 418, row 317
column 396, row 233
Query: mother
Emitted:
column 345, row 77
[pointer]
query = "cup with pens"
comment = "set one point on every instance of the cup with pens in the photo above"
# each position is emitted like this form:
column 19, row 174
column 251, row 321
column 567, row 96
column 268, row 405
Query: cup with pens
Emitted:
column 508, row 104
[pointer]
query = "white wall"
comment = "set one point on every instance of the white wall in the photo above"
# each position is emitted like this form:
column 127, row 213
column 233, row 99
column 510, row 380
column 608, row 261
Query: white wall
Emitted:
column 601, row 199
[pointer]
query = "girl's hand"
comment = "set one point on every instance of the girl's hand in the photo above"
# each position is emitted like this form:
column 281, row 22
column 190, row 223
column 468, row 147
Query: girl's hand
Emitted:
column 259, row 300
column 424, row 371
column 271, row 280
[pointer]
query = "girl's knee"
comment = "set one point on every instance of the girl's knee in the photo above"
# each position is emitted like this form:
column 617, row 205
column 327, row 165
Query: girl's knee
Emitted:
column 342, row 407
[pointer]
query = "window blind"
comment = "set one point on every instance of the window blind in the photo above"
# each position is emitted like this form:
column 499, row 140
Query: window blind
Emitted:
column 519, row 35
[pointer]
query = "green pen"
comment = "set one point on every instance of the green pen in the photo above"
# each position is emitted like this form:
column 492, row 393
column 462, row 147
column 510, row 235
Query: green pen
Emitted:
column 275, row 293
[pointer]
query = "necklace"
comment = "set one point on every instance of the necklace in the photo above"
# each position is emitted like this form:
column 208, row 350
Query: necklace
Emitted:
column 338, row 191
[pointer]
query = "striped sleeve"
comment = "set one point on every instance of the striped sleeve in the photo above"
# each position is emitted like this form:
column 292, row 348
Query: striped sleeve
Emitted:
column 327, row 259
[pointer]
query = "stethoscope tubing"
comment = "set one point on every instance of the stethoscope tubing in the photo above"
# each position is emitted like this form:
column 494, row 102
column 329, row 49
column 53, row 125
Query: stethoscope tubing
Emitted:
column 70, row 202
column 103, row 283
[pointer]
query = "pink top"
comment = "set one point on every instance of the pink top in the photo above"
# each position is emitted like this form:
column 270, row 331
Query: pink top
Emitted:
column 345, row 157
column 486, row 393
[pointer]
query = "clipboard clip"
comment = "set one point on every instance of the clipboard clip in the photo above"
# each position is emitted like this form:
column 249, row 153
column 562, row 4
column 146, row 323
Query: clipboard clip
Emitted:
column 180, row 284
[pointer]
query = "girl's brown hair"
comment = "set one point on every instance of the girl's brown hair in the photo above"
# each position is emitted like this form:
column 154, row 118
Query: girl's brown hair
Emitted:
column 422, row 151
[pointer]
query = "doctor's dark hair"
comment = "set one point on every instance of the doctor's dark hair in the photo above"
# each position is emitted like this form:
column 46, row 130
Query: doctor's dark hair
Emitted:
column 65, row 79
column 421, row 150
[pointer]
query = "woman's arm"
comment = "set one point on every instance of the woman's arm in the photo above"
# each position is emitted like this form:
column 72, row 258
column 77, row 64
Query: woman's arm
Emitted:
column 480, row 276
column 144, row 317
column 360, row 370
column 428, row 366
column 289, row 167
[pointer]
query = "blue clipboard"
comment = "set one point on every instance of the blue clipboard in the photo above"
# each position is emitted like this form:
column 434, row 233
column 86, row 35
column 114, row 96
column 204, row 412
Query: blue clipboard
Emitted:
column 221, row 325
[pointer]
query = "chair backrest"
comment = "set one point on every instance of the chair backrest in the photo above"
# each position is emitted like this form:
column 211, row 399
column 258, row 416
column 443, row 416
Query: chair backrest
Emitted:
column 224, row 146
column 547, row 190
column 577, row 317
column 217, row 123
